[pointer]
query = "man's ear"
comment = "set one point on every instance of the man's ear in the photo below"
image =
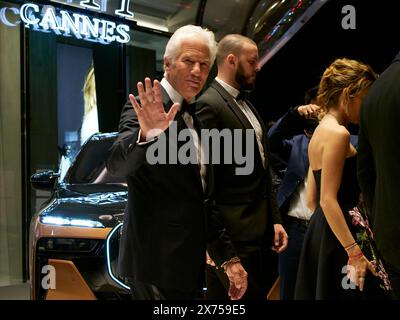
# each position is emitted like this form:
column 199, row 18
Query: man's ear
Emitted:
column 167, row 63
column 231, row 58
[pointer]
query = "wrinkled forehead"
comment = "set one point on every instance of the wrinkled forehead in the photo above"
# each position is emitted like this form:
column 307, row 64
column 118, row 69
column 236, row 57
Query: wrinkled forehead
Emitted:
column 195, row 50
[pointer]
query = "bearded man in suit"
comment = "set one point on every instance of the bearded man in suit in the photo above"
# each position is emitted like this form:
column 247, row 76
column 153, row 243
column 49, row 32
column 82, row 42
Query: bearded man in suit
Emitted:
column 246, row 203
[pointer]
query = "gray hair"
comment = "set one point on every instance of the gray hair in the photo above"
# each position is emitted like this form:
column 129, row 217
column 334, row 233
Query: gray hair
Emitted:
column 231, row 44
column 190, row 32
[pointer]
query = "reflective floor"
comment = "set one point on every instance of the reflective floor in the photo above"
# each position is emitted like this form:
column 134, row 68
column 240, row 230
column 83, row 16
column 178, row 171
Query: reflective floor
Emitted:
column 15, row 292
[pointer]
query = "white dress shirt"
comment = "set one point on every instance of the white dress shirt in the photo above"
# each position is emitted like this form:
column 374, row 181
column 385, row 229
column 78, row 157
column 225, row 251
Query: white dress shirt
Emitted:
column 298, row 204
column 249, row 115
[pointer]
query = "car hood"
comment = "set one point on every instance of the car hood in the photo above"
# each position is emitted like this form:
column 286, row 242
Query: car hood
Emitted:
column 104, row 204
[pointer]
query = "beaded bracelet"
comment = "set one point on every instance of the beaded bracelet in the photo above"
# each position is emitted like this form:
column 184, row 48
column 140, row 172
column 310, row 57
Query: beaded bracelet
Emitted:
column 356, row 256
column 350, row 246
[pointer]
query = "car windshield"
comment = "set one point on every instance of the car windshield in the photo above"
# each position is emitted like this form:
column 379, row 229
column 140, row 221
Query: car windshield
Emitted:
column 89, row 165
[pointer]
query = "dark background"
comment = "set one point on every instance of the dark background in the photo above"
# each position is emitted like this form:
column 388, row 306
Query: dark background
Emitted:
column 300, row 63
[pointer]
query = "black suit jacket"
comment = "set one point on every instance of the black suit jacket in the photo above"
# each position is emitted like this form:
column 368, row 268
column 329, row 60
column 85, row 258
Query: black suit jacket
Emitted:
column 164, row 233
column 246, row 203
column 379, row 160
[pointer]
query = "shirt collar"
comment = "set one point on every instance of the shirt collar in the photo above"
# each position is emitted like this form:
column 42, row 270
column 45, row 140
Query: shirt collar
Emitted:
column 173, row 94
column 231, row 90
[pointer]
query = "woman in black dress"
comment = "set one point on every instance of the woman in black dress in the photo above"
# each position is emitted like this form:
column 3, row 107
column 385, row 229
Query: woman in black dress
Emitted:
column 330, row 252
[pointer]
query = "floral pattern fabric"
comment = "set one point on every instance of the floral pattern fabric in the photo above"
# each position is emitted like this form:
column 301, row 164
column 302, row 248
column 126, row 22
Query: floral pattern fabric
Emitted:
column 365, row 239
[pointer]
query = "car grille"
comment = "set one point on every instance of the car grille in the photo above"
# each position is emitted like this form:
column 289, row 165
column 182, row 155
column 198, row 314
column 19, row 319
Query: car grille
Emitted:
column 89, row 257
column 67, row 245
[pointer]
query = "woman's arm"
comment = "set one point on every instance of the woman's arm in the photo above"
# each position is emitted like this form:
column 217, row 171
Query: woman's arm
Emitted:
column 333, row 158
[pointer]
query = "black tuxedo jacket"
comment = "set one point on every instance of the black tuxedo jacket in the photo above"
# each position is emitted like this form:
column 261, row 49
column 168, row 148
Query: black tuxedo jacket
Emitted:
column 164, row 233
column 246, row 203
column 379, row 161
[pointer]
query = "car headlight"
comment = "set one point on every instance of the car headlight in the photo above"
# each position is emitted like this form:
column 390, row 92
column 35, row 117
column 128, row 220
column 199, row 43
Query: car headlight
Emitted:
column 60, row 221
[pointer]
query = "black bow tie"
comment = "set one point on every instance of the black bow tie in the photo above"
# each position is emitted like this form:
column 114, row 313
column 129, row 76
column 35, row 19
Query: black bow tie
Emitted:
column 242, row 96
column 186, row 107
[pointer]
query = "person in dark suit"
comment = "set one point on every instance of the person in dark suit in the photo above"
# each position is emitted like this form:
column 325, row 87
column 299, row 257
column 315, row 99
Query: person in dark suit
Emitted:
column 246, row 204
column 167, row 220
column 378, row 166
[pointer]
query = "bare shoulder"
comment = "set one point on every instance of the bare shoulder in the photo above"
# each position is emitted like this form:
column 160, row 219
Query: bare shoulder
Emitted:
column 336, row 134
column 340, row 133
column 331, row 138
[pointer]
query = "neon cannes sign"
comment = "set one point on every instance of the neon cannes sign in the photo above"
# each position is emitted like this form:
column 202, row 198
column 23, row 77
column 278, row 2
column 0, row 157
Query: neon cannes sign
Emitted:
column 61, row 22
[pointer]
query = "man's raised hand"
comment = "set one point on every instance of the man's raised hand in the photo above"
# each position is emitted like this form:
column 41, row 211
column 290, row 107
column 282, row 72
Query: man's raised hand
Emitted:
column 150, row 111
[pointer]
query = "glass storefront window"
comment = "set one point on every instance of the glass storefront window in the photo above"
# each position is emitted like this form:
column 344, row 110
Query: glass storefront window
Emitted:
column 10, row 155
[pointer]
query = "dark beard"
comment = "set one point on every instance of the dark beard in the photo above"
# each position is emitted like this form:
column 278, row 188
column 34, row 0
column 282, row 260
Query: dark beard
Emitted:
column 242, row 81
